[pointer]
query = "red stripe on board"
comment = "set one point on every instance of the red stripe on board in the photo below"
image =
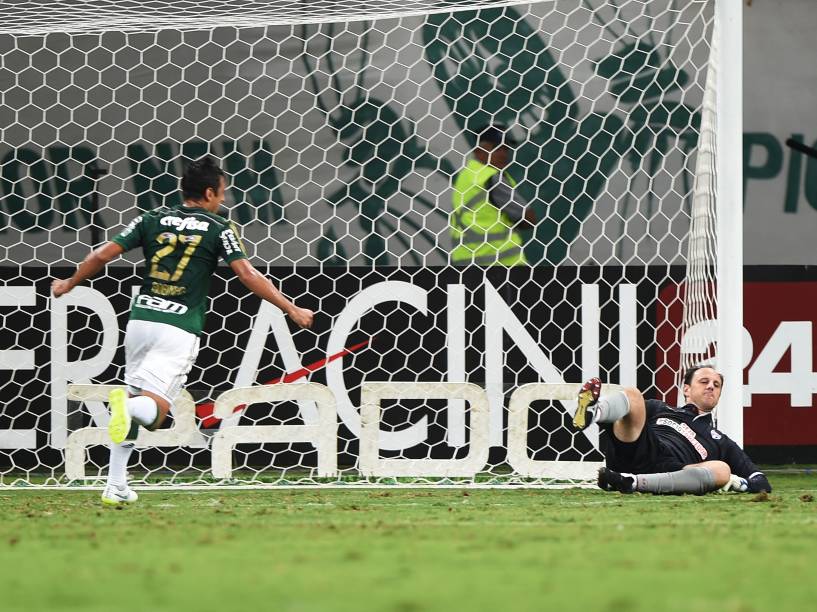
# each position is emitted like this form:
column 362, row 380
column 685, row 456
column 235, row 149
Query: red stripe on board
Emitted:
column 205, row 410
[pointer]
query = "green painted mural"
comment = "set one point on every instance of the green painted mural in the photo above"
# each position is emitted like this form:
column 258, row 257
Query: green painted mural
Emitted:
column 382, row 148
column 498, row 69
column 342, row 140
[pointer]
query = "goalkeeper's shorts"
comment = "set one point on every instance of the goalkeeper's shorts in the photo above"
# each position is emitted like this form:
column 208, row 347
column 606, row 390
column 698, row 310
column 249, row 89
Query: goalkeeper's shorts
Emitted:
column 644, row 456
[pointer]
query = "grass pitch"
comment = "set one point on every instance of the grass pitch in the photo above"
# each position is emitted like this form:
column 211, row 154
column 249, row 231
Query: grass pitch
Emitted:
column 411, row 550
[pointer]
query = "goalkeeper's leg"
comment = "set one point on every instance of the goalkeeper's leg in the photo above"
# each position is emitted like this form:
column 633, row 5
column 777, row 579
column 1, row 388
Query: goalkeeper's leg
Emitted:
column 625, row 409
column 698, row 479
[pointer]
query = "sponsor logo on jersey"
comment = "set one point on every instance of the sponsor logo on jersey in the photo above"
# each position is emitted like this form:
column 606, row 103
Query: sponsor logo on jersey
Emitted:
column 151, row 302
column 230, row 242
column 187, row 223
column 716, row 435
column 131, row 226
column 686, row 431
column 162, row 289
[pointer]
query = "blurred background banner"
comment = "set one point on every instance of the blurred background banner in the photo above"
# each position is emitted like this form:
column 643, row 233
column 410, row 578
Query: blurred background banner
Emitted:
column 335, row 155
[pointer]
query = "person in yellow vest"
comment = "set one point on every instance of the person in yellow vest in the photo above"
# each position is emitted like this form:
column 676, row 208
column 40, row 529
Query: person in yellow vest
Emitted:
column 487, row 208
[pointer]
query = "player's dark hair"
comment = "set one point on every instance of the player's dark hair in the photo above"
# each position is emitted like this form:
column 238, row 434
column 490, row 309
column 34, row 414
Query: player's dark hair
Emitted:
column 691, row 372
column 200, row 175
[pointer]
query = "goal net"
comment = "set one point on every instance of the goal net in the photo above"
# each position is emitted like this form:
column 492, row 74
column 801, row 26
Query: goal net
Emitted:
column 342, row 127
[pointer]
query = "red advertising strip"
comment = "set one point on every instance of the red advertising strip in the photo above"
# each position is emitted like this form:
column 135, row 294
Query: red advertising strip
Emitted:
column 779, row 379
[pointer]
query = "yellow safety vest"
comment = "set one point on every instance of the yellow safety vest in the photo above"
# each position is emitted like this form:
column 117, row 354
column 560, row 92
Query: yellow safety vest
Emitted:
column 481, row 232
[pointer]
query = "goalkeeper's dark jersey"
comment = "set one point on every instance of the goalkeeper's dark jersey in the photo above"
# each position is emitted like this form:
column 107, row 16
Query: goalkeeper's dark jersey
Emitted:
column 182, row 246
column 688, row 437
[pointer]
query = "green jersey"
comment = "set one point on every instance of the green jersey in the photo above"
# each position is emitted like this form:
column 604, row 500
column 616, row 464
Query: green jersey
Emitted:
column 182, row 246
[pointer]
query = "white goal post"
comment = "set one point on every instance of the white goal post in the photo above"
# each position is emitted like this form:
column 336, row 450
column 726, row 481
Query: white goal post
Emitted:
column 342, row 128
column 730, row 338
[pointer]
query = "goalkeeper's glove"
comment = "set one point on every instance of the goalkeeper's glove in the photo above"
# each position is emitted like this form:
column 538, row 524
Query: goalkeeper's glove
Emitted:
column 758, row 482
column 736, row 484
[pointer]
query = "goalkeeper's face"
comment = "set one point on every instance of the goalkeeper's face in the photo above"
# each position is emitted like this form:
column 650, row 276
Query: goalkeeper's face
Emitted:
column 704, row 390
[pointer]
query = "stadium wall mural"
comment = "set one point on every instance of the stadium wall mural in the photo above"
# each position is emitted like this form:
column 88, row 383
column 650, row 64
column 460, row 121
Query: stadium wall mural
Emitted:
column 334, row 157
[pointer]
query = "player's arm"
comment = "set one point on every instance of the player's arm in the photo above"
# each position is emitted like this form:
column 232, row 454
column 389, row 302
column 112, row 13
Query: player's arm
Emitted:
column 509, row 200
column 264, row 288
column 741, row 465
column 90, row 266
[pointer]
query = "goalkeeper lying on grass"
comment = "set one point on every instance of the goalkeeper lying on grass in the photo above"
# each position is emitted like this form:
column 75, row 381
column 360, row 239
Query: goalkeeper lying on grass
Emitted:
column 652, row 447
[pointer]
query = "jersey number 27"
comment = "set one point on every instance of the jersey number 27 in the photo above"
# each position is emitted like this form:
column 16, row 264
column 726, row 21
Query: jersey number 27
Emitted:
column 172, row 241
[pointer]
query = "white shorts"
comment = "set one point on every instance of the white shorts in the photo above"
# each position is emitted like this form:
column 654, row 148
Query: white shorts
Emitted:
column 158, row 357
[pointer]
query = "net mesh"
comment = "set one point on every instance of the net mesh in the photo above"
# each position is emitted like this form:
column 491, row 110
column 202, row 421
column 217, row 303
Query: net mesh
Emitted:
column 700, row 298
column 83, row 16
column 342, row 128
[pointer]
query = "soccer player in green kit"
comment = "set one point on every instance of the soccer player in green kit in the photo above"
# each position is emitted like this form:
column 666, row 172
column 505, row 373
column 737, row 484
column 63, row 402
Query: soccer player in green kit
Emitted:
column 182, row 246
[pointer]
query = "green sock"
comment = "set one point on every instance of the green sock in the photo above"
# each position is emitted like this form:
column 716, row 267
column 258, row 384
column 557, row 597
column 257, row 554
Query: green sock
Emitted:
column 133, row 431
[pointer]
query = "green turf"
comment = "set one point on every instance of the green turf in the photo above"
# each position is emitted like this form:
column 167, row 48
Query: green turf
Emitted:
column 406, row 550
